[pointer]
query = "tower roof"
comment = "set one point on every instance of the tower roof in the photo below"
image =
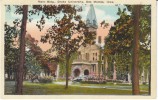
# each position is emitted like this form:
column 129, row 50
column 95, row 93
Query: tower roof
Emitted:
column 91, row 20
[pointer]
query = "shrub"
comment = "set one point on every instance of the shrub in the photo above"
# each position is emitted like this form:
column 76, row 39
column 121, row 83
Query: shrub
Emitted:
column 93, row 82
column 46, row 79
column 117, row 81
column 145, row 83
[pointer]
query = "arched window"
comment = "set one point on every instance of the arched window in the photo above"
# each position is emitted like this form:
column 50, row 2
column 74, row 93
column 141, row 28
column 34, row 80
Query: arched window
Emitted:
column 86, row 72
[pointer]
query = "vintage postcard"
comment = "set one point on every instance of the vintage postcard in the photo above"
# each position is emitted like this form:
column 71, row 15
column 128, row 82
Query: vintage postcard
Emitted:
column 96, row 49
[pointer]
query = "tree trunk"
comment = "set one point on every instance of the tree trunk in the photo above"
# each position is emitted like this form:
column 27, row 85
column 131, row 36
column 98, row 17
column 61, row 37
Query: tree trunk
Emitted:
column 67, row 70
column 149, row 78
column 8, row 74
column 22, row 51
column 104, row 66
column 135, row 62
column 99, row 62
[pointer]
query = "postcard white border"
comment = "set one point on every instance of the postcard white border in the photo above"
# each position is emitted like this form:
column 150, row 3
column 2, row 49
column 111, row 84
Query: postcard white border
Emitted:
column 153, row 53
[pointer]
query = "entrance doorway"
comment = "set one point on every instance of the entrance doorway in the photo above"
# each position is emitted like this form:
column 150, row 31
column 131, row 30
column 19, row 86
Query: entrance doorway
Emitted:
column 76, row 72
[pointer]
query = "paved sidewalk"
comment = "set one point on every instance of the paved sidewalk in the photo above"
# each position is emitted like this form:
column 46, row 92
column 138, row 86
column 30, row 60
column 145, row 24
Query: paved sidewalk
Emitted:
column 94, row 86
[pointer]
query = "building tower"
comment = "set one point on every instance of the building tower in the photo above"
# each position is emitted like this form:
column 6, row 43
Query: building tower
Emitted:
column 85, row 64
column 91, row 20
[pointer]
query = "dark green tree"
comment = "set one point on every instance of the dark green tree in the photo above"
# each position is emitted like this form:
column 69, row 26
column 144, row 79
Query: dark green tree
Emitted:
column 68, row 34
column 130, row 32
column 11, row 50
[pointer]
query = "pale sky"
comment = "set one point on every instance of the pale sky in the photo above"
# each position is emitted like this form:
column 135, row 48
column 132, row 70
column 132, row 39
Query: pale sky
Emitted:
column 103, row 12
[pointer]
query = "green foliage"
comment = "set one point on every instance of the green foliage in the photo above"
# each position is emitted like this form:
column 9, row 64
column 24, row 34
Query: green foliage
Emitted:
column 67, row 34
column 62, row 70
column 32, row 57
column 144, row 62
column 61, row 34
column 120, row 36
column 93, row 82
column 32, row 65
column 62, row 63
column 11, row 49
column 123, row 62
column 119, row 41
column 10, row 36
column 110, row 63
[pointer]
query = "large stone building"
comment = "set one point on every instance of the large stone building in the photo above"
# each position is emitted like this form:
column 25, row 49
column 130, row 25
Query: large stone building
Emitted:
column 87, row 62
column 88, row 57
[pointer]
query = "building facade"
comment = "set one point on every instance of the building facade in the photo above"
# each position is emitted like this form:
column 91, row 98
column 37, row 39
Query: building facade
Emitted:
column 88, row 57
column 87, row 62
column 90, row 60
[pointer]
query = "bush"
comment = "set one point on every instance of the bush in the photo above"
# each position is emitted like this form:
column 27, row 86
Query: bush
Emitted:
column 9, row 79
column 93, row 82
column 145, row 83
column 117, row 81
column 46, row 79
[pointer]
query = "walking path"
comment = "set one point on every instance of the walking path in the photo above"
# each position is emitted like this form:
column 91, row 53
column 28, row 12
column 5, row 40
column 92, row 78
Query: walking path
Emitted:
column 94, row 86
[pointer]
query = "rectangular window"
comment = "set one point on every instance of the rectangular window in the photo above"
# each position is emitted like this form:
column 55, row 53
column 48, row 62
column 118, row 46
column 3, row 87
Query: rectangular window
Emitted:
column 102, row 57
column 87, row 56
column 96, row 56
column 93, row 68
column 79, row 55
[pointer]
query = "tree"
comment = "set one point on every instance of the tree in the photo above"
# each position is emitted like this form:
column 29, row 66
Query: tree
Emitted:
column 122, row 37
column 24, row 11
column 67, row 35
column 11, row 51
column 33, row 66
column 20, row 69
column 135, row 61
column 118, row 43
column 46, row 63
column 62, row 62
column 33, row 58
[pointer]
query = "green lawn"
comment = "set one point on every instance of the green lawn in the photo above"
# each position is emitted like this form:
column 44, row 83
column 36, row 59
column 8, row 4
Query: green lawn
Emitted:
column 54, row 89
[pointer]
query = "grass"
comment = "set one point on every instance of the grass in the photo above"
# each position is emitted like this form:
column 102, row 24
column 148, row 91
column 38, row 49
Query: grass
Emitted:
column 54, row 89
